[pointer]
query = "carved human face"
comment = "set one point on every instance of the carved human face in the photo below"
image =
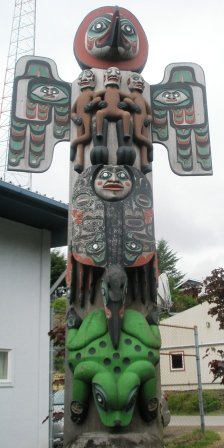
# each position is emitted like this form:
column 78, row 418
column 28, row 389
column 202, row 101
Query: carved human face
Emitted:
column 112, row 76
column 113, row 183
column 86, row 79
column 136, row 82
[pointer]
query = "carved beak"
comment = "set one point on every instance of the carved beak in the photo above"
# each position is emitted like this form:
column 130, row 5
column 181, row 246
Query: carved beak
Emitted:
column 114, row 312
column 111, row 38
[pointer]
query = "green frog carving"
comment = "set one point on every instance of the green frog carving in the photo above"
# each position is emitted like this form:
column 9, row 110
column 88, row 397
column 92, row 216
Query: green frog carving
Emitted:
column 118, row 377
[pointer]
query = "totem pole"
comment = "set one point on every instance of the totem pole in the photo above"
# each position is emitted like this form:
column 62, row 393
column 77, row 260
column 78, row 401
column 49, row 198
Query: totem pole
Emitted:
column 112, row 117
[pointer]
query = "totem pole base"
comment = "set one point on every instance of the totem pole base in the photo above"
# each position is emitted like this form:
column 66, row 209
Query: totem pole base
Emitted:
column 128, row 440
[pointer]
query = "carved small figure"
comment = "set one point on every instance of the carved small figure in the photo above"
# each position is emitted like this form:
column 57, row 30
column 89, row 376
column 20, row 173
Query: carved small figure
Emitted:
column 112, row 97
column 82, row 117
column 141, row 120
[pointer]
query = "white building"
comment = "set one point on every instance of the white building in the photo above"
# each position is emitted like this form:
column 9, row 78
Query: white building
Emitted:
column 29, row 226
column 178, row 360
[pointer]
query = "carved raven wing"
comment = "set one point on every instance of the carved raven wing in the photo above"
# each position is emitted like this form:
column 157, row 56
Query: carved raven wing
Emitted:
column 40, row 114
column 180, row 119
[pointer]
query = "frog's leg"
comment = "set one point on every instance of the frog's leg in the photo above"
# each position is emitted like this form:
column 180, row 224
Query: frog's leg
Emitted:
column 80, row 399
column 148, row 402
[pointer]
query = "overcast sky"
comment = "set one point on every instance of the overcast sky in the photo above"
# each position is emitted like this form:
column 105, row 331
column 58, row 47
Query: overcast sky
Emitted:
column 188, row 210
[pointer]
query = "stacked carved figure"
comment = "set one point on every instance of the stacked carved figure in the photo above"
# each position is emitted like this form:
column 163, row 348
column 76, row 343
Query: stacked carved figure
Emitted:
column 113, row 349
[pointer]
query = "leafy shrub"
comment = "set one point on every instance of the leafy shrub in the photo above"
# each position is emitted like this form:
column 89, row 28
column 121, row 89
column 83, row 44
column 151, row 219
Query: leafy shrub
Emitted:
column 59, row 305
column 186, row 403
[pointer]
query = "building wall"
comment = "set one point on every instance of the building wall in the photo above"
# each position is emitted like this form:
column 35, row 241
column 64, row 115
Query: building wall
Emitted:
column 24, row 324
column 177, row 340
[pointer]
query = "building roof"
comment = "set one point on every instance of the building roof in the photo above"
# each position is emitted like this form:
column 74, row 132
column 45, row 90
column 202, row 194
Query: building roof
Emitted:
column 35, row 210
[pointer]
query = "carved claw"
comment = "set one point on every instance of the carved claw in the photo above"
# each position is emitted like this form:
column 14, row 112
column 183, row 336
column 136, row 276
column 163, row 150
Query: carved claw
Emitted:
column 146, row 168
column 78, row 411
column 148, row 410
column 77, row 121
column 122, row 105
column 88, row 107
column 147, row 122
column 102, row 104
column 78, row 168
column 73, row 320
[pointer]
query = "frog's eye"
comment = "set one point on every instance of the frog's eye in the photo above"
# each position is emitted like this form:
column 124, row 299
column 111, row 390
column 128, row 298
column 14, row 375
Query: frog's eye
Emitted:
column 132, row 399
column 99, row 396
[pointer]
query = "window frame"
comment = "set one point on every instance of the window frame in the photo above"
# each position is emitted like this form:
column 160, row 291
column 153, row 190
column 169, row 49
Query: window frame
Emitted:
column 8, row 382
column 178, row 352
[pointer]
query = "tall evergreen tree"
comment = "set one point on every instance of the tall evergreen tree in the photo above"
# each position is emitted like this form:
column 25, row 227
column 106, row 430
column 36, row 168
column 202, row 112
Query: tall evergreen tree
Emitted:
column 58, row 265
column 167, row 261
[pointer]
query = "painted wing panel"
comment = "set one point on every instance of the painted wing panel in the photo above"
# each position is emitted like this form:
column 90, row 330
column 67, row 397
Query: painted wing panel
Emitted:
column 40, row 114
column 180, row 119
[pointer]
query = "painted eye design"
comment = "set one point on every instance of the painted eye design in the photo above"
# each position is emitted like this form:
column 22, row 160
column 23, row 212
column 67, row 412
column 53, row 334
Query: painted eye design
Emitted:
column 133, row 246
column 105, row 175
column 99, row 396
column 132, row 399
column 48, row 92
column 173, row 97
column 122, row 175
column 128, row 28
column 88, row 73
column 96, row 247
column 99, row 25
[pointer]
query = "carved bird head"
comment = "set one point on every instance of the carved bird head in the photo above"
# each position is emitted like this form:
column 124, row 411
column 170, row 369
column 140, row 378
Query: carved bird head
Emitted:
column 111, row 35
column 114, row 290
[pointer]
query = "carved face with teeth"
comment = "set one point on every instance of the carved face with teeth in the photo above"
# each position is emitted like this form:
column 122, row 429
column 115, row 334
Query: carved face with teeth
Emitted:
column 86, row 79
column 113, row 183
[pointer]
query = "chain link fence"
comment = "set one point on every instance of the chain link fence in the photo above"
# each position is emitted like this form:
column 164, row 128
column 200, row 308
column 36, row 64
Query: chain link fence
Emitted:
column 57, row 373
column 181, row 373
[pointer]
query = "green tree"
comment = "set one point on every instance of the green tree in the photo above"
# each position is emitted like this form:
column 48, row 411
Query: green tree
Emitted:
column 58, row 265
column 167, row 262
column 214, row 295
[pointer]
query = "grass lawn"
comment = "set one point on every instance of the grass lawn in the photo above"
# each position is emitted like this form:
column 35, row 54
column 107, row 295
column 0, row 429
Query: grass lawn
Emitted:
column 195, row 439
column 186, row 402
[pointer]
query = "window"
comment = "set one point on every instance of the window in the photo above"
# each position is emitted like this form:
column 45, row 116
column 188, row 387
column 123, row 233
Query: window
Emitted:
column 5, row 367
column 177, row 361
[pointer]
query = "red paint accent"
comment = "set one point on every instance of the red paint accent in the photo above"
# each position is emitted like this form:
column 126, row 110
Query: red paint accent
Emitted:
column 121, row 312
column 78, row 216
column 143, row 259
column 148, row 216
column 68, row 277
column 87, row 60
column 108, row 313
column 84, row 260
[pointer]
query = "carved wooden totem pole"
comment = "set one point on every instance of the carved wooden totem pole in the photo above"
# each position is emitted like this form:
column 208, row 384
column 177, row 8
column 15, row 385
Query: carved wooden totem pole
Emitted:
column 112, row 117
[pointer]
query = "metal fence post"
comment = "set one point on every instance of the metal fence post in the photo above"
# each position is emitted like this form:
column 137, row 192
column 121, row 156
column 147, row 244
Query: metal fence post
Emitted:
column 51, row 363
column 200, row 394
